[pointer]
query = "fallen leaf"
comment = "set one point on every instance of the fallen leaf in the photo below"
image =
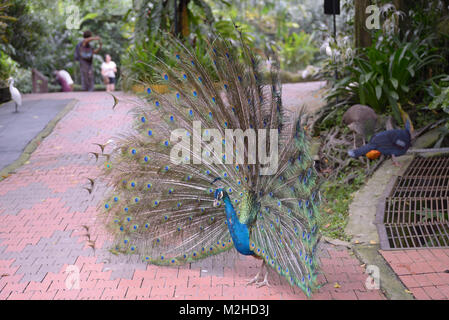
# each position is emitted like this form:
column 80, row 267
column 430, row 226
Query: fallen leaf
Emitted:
column 372, row 242
column 336, row 285
column 407, row 291
column 327, row 226
column 356, row 241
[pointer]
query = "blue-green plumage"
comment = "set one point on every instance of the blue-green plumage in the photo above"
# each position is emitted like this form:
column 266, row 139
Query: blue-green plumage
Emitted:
column 239, row 231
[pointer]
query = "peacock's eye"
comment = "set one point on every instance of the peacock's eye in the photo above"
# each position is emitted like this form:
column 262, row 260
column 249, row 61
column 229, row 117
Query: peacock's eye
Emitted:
column 220, row 195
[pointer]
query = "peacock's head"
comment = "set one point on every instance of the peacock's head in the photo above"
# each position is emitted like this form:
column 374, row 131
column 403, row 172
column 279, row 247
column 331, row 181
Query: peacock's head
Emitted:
column 218, row 196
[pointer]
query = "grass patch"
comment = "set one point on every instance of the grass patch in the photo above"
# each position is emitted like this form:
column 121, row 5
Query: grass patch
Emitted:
column 338, row 197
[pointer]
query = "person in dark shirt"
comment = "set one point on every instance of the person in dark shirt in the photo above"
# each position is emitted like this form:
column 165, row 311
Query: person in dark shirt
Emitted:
column 84, row 54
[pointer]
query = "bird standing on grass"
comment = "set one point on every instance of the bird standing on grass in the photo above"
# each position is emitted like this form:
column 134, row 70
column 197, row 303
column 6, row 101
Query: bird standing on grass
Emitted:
column 175, row 212
column 15, row 94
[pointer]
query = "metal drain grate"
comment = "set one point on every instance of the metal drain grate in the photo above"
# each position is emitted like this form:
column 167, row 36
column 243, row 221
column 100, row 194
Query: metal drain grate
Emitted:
column 415, row 208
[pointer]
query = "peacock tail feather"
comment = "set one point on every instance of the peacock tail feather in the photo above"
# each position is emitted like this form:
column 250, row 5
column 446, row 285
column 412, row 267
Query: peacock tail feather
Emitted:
column 163, row 209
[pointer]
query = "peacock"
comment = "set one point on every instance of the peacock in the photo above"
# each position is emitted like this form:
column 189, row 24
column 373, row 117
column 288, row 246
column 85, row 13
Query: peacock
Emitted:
column 182, row 190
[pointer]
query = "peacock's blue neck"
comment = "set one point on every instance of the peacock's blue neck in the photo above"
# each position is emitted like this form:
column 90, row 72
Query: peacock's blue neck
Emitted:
column 239, row 231
column 229, row 209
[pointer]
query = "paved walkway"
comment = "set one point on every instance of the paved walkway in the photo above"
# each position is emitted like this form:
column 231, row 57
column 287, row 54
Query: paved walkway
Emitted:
column 43, row 208
column 425, row 272
column 18, row 129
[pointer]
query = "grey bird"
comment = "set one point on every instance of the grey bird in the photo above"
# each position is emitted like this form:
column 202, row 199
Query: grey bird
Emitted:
column 362, row 120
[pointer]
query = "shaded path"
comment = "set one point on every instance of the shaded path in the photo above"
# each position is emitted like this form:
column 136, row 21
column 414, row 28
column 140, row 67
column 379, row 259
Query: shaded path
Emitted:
column 43, row 208
column 18, row 129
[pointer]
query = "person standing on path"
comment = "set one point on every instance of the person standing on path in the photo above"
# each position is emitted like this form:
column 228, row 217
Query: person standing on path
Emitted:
column 108, row 70
column 84, row 53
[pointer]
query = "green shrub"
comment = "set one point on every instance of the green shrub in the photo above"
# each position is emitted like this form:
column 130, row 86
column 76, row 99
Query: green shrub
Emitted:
column 137, row 61
column 6, row 69
column 387, row 73
column 440, row 99
column 22, row 80
column 297, row 51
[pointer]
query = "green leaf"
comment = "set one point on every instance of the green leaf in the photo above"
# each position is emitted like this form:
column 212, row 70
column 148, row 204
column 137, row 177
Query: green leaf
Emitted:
column 89, row 16
column 378, row 92
column 368, row 76
column 394, row 95
column 394, row 82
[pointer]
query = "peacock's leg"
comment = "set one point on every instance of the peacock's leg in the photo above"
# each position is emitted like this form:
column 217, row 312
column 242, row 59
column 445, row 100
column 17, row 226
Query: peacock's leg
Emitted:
column 256, row 278
column 265, row 279
column 264, row 282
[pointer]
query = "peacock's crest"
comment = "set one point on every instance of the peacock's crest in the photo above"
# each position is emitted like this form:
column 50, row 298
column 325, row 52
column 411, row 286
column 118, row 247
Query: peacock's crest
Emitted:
column 190, row 142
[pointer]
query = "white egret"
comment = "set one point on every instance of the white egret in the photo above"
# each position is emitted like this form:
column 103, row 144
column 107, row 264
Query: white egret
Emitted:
column 15, row 94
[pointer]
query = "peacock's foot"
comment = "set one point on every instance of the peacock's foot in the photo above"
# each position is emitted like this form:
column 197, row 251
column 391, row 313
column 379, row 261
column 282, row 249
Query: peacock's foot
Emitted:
column 254, row 280
column 259, row 284
column 263, row 283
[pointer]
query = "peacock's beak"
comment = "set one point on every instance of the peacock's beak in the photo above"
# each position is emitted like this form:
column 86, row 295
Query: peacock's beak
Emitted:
column 216, row 203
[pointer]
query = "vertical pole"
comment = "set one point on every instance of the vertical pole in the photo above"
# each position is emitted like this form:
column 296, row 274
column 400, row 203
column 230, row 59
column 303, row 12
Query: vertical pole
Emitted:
column 334, row 5
column 335, row 26
column 176, row 19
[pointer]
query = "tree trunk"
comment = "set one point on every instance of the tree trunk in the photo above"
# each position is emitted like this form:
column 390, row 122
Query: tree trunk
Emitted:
column 399, row 4
column 182, row 19
column 362, row 36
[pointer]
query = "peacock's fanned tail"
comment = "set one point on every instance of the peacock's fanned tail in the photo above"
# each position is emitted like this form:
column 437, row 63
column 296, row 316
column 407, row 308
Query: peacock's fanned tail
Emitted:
column 286, row 233
column 164, row 173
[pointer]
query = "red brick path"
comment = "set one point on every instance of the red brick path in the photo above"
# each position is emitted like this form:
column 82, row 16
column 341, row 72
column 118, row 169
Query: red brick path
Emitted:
column 425, row 272
column 43, row 208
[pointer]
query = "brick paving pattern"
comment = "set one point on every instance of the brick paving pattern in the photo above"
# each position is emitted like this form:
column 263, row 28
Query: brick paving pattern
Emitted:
column 425, row 272
column 44, row 206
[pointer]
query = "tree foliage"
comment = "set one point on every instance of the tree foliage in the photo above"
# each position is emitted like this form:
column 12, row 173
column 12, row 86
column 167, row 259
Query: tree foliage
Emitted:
column 42, row 38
